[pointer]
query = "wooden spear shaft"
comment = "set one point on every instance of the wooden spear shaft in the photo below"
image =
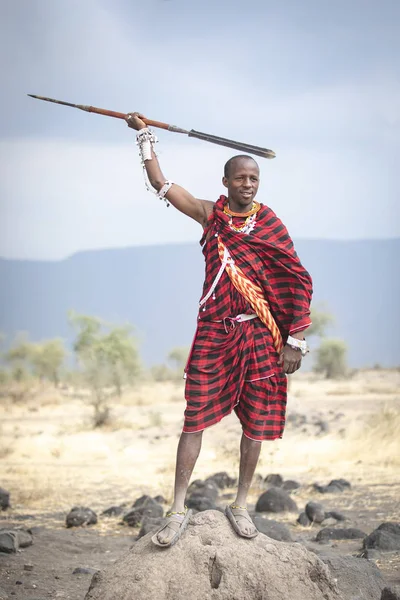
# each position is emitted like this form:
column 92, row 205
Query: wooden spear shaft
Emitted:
column 243, row 147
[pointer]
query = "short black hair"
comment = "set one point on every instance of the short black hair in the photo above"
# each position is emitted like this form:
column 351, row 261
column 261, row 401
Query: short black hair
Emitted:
column 229, row 163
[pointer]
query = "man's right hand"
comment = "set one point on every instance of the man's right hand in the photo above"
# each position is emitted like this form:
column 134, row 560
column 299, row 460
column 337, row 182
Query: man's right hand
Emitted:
column 135, row 121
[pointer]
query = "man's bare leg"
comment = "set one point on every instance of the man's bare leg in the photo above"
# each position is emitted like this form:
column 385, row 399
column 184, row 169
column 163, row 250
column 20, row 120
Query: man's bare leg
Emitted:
column 249, row 455
column 187, row 454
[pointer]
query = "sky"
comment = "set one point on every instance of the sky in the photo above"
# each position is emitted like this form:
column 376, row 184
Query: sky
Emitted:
column 316, row 81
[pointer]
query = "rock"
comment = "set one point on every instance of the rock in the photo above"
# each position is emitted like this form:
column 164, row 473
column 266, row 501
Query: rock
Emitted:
column 203, row 496
column 8, row 542
column 84, row 571
column 81, row 515
column 211, row 561
column 160, row 499
column 113, row 511
column 150, row 525
column 142, row 501
column 25, row 537
column 392, row 593
column 4, row 499
column 275, row 500
column 28, row 567
column 341, row 483
column 315, row 512
column 328, row 489
column 144, row 507
column 199, row 503
column 385, row 538
column 222, row 480
column 303, row 520
column 274, row 479
column 357, row 579
column 290, row 485
column 335, row 515
column 330, row 533
column 206, row 488
column 273, row 529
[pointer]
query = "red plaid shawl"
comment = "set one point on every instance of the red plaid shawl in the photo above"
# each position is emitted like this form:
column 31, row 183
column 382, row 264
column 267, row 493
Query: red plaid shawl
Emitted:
column 267, row 257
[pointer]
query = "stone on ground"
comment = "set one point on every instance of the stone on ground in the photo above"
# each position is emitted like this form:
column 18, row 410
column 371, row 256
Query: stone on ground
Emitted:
column 4, row 499
column 357, row 578
column 332, row 533
column 275, row 500
column 386, row 537
column 273, row 529
column 211, row 562
column 315, row 512
column 80, row 515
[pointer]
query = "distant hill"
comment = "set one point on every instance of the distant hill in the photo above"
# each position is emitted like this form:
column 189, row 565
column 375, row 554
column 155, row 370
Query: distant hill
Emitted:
column 157, row 288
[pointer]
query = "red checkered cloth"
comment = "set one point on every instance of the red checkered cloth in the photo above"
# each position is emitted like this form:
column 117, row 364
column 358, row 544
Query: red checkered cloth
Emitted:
column 234, row 365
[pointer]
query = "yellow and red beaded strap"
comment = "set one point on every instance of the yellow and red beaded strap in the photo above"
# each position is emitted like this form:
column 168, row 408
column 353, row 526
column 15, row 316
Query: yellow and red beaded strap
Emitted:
column 254, row 295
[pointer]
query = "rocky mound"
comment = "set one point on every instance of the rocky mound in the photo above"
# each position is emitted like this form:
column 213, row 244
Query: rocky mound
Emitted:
column 211, row 561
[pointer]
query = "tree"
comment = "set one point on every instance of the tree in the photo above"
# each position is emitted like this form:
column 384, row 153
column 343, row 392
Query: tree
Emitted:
column 47, row 359
column 331, row 358
column 108, row 358
column 320, row 321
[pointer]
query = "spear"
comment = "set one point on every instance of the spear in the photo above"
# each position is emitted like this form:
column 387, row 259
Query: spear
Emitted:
column 264, row 152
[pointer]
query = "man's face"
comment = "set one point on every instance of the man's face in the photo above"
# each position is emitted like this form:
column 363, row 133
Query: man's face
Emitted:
column 243, row 181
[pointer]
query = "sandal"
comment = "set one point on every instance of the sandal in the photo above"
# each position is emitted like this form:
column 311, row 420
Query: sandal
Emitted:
column 176, row 524
column 233, row 520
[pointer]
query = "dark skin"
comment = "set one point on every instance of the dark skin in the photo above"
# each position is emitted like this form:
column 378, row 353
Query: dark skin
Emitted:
column 242, row 185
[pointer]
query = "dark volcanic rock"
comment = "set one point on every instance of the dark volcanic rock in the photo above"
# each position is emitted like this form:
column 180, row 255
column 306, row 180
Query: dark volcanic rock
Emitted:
column 199, row 502
column 8, row 542
column 143, row 507
column 303, row 519
column 113, row 511
column 222, row 480
column 203, row 496
column 274, row 479
column 81, row 515
column 392, row 593
column 340, row 482
column 150, row 524
column 315, row 512
column 275, row 500
column 290, row 485
column 385, row 537
column 357, row 579
column 11, row 540
column 335, row 515
column 330, row 533
column 160, row 499
column 273, row 529
column 4, row 499
column 328, row 489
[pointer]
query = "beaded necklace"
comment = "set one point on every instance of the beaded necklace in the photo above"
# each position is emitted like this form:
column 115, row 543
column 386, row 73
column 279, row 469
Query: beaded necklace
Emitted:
column 249, row 216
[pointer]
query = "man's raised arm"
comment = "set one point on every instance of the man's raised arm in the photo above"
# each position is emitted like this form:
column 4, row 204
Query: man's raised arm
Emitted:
column 197, row 209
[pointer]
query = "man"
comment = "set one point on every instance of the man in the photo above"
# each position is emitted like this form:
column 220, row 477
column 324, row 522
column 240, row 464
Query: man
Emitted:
column 250, row 335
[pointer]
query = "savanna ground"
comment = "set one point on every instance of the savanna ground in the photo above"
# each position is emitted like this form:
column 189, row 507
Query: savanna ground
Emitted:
column 52, row 459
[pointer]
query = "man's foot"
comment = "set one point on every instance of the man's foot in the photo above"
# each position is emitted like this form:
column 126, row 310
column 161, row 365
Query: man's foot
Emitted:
column 176, row 523
column 241, row 521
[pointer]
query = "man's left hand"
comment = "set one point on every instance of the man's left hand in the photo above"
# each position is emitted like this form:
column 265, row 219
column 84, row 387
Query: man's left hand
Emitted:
column 290, row 360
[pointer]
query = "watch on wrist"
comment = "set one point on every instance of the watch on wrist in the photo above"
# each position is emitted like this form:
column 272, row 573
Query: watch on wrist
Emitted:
column 297, row 345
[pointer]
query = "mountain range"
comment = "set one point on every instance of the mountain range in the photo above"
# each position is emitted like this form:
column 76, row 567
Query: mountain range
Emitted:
column 157, row 288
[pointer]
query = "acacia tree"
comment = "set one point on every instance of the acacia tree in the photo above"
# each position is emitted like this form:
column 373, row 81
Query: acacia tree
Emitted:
column 108, row 358
column 47, row 359
column 331, row 358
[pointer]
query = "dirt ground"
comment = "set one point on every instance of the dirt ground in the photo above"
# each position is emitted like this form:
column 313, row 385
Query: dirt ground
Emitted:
column 52, row 459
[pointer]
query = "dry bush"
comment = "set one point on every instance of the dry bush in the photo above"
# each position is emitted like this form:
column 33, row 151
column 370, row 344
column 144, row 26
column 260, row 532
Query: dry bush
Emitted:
column 378, row 440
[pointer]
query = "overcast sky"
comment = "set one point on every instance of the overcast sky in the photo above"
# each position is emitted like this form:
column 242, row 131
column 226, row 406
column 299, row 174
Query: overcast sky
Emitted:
column 316, row 81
